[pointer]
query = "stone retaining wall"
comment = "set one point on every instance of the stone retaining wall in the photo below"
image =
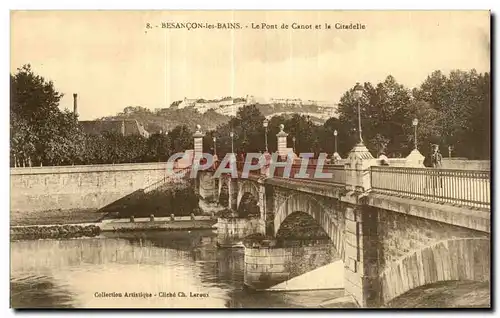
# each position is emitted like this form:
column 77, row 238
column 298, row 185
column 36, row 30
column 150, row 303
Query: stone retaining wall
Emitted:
column 233, row 230
column 79, row 187
column 266, row 267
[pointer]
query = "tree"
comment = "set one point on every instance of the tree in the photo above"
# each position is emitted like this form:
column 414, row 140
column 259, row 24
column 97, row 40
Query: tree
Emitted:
column 157, row 148
column 40, row 132
column 181, row 138
column 248, row 132
column 345, row 138
column 462, row 105
column 383, row 115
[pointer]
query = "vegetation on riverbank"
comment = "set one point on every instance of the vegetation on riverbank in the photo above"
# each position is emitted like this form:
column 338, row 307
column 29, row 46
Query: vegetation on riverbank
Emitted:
column 55, row 217
column 53, row 232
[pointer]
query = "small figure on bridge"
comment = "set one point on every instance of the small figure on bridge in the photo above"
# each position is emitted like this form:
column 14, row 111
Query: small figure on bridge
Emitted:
column 336, row 158
column 215, row 160
column 384, row 161
column 436, row 156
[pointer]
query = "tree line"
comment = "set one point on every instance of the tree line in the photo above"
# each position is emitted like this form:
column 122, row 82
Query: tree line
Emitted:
column 452, row 110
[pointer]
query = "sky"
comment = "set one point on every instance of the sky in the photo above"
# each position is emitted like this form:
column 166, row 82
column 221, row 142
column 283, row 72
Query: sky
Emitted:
column 113, row 61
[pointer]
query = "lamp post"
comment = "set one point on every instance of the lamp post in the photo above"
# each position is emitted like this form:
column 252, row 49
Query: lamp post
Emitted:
column 335, row 134
column 415, row 123
column 265, row 123
column 231, row 134
column 215, row 145
column 293, row 139
column 358, row 92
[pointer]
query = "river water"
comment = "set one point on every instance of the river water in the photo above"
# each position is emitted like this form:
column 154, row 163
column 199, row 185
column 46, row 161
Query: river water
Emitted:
column 84, row 273
column 93, row 272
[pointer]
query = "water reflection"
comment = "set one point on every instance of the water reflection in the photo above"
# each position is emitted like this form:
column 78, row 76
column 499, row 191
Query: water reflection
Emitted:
column 78, row 272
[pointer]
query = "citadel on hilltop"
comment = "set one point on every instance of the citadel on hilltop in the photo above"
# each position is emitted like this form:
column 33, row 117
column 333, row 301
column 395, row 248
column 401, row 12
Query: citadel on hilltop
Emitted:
column 229, row 106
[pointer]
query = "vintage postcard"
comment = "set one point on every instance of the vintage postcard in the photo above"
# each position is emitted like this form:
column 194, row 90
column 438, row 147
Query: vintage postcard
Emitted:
column 250, row 159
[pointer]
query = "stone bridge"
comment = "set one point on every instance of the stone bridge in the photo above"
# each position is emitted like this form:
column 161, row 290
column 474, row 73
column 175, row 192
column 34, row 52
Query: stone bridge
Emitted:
column 392, row 233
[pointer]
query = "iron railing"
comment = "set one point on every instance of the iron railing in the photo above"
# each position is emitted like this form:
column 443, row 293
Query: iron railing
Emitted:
column 457, row 187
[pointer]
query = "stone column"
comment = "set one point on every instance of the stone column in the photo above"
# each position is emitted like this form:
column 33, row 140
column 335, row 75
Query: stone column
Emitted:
column 361, row 255
column 207, row 186
column 361, row 222
column 282, row 142
column 198, row 142
column 357, row 169
column 233, row 194
column 415, row 159
column 262, row 199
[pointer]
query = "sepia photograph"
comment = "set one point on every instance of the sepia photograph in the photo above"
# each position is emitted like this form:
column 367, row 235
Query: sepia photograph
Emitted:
column 250, row 159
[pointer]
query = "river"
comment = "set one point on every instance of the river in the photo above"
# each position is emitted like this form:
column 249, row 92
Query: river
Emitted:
column 93, row 272
column 84, row 273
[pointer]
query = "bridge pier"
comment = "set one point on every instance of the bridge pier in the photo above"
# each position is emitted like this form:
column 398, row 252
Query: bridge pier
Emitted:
column 361, row 259
column 208, row 192
column 267, row 265
column 233, row 230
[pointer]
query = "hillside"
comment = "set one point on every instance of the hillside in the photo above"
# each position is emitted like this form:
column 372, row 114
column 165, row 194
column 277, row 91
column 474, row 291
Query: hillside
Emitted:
column 165, row 119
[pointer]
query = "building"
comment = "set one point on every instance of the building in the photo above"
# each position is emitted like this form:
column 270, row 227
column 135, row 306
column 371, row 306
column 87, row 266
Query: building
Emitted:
column 125, row 127
column 229, row 106
column 187, row 103
column 230, row 109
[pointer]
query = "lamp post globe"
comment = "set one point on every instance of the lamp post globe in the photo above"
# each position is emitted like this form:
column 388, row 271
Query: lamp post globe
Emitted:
column 358, row 91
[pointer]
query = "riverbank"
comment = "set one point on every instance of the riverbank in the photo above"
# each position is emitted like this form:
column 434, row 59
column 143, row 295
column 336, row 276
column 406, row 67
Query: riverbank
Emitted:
column 57, row 224
column 53, row 232
column 179, row 223
column 56, row 217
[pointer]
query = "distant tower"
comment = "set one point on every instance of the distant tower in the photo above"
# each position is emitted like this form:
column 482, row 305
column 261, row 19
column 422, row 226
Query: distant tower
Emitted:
column 75, row 104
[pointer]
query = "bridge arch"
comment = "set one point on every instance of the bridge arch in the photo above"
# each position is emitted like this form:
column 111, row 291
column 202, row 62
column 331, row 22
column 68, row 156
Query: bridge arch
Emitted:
column 224, row 182
column 224, row 195
column 246, row 187
column 300, row 202
column 461, row 259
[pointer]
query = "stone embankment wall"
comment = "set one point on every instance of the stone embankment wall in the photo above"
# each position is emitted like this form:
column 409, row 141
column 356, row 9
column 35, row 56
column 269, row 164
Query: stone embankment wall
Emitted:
column 269, row 266
column 233, row 230
column 79, row 187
